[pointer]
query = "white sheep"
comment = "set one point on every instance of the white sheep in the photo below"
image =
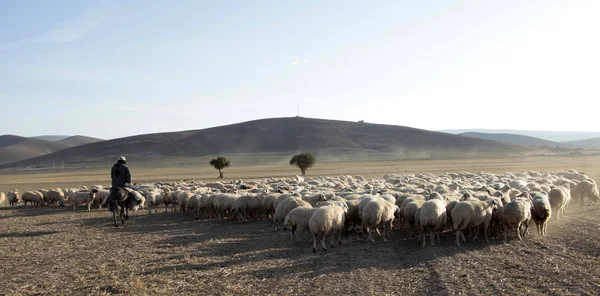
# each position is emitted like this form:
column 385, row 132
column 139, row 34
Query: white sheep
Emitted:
column 461, row 215
column 249, row 204
column 585, row 189
column 482, row 215
column 432, row 217
column 285, row 207
column 352, row 215
column 297, row 219
column 268, row 204
column 13, row 197
column 223, row 204
column 34, row 197
column 2, row 198
column 138, row 201
column 559, row 199
column 315, row 198
column 517, row 214
column 206, row 205
column 327, row 221
column 408, row 213
column 56, row 196
column 154, row 198
column 379, row 213
column 101, row 195
column 83, row 198
column 182, row 199
column 541, row 212
column 193, row 205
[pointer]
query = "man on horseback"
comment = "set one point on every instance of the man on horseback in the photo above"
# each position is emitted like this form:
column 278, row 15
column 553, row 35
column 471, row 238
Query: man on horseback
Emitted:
column 121, row 177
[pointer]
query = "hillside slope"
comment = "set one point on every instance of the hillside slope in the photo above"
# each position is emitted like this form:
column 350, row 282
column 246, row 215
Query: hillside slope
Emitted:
column 15, row 148
column 554, row 136
column 593, row 143
column 78, row 140
column 51, row 138
column 290, row 135
column 514, row 139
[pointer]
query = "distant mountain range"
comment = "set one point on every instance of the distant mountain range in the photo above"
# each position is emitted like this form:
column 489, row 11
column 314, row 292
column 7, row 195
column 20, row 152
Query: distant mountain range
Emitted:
column 51, row 138
column 592, row 143
column 514, row 139
column 15, row 148
column 554, row 136
column 329, row 139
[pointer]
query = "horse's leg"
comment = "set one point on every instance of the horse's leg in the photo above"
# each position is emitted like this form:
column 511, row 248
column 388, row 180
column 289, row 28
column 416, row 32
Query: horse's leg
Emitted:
column 122, row 214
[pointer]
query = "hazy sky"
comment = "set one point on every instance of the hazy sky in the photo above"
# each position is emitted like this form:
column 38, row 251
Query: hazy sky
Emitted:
column 117, row 68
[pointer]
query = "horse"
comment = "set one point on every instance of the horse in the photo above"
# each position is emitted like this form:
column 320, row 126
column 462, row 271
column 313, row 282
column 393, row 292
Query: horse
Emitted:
column 119, row 199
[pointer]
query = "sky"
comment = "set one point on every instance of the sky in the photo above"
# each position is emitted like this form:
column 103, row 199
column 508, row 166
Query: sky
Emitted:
column 112, row 69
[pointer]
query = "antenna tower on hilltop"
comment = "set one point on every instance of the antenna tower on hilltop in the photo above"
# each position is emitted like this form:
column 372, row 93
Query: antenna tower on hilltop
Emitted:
column 298, row 111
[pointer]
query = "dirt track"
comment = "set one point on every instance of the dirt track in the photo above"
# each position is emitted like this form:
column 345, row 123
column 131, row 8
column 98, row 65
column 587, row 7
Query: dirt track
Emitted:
column 53, row 251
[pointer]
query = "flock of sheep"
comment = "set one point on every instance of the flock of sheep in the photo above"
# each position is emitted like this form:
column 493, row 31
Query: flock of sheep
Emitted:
column 492, row 204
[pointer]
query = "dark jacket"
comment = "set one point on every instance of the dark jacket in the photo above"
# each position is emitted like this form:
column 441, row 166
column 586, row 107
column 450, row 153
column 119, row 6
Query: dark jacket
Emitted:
column 120, row 175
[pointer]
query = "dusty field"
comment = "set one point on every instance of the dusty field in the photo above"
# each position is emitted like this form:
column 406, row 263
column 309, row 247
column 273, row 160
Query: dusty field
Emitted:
column 193, row 171
column 54, row 251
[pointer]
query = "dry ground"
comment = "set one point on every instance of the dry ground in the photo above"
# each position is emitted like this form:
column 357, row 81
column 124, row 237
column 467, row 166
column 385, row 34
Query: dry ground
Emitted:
column 54, row 251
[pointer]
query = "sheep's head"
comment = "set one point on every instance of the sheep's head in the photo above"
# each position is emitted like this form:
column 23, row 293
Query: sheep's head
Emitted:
column 466, row 196
column 435, row 195
column 322, row 196
column 525, row 195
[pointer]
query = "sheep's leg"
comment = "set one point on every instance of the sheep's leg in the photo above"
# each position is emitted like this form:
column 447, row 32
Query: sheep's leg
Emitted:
column 518, row 229
column 485, row 233
column 462, row 234
column 369, row 235
column 314, row 239
column 524, row 229
column 292, row 234
column 323, row 246
column 339, row 238
column 432, row 236
column 331, row 239
column 457, row 238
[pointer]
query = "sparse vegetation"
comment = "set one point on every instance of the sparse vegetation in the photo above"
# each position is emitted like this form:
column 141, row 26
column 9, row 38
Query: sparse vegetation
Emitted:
column 220, row 163
column 303, row 161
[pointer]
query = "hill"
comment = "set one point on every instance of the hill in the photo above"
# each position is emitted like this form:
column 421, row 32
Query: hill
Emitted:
column 51, row 138
column 554, row 136
column 78, row 141
column 514, row 139
column 15, row 148
column 329, row 139
column 593, row 143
